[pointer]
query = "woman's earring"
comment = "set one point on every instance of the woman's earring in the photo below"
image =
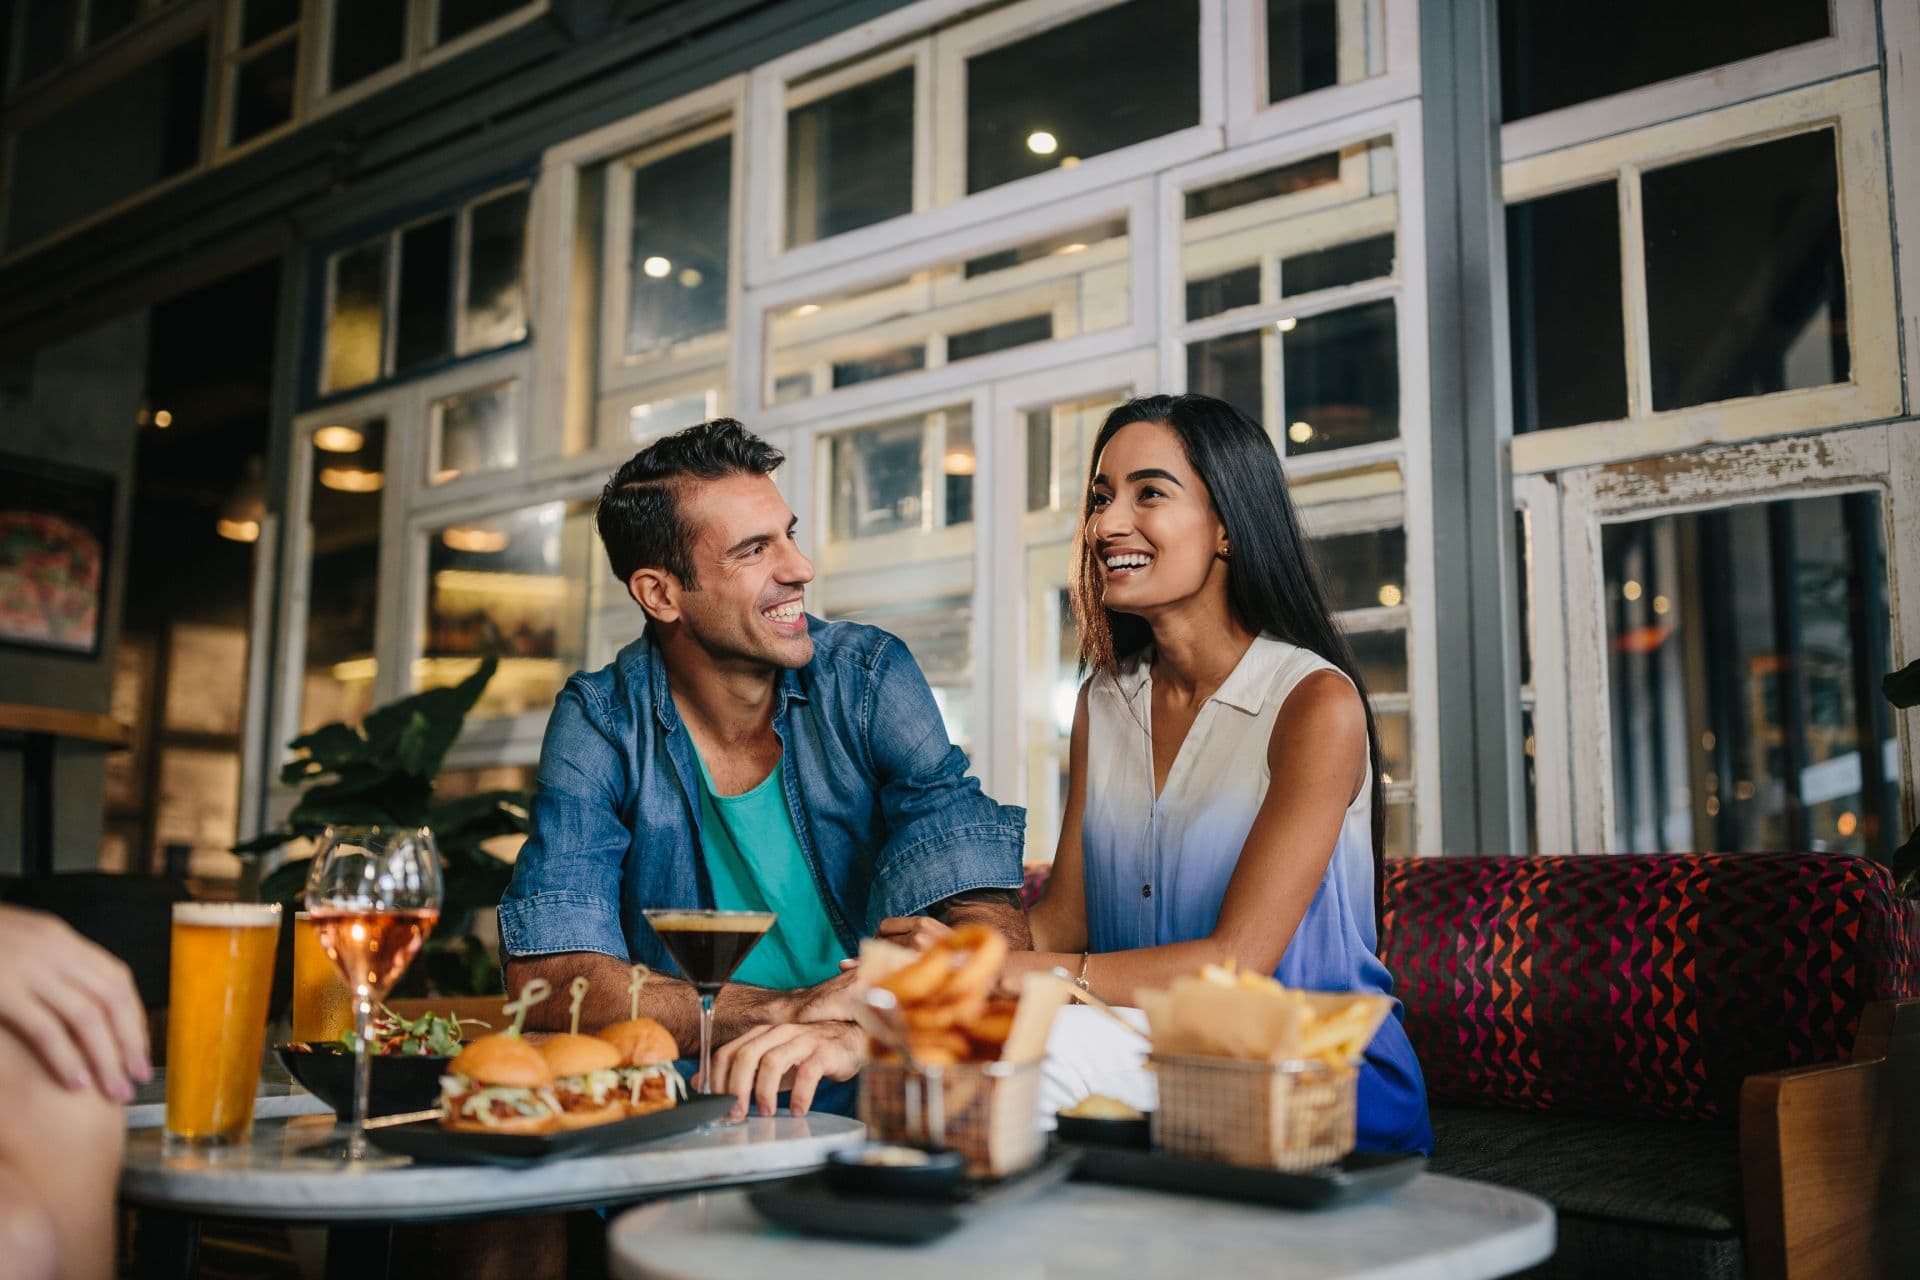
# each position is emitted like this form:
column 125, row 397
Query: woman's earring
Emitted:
column 1226, row 551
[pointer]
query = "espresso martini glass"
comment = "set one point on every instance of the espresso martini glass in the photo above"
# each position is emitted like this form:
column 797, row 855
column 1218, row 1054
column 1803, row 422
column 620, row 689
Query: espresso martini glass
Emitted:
column 708, row 946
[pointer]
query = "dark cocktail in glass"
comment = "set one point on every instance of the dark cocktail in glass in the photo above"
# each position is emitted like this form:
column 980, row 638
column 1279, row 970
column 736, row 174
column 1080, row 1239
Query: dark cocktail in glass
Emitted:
column 708, row 946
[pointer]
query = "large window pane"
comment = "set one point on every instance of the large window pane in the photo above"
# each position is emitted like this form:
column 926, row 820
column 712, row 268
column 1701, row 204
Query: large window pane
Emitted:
column 343, row 578
column 46, row 36
column 1324, row 222
column 261, row 18
column 1089, row 86
column 1746, row 281
column 107, row 18
column 457, row 17
column 1342, row 378
column 516, row 586
column 850, row 158
column 1364, row 570
column 1314, row 44
column 263, row 92
column 1554, row 55
column 938, row 631
column 1059, row 446
column 368, row 36
column 1564, row 309
column 908, row 475
column 112, row 144
column 677, row 286
column 355, row 329
column 423, row 329
column 1746, row 650
column 475, row 431
column 496, row 273
column 1066, row 284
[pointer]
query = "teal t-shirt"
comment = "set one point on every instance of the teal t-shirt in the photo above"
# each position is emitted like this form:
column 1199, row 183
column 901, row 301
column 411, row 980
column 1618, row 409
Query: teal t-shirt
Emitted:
column 755, row 863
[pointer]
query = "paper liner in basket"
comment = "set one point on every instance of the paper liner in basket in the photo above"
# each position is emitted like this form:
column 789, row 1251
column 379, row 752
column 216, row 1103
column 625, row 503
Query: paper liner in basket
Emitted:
column 1250, row 1017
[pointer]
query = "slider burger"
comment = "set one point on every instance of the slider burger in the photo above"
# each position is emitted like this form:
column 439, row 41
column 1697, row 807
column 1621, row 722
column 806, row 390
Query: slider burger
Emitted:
column 498, row 1084
column 648, row 1080
column 586, row 1082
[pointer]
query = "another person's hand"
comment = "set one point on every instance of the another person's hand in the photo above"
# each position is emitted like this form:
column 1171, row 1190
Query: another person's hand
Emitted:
column 786, row 1058
column 917, row 932
column 72, row 1004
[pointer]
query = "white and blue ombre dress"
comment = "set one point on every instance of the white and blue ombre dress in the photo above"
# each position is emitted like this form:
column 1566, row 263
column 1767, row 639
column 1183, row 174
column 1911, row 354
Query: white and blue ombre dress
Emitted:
column 1157, row 867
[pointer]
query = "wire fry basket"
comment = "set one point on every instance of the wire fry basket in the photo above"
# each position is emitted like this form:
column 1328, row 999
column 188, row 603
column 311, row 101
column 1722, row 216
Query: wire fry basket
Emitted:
column 1260, row 1115
column 983, row 1110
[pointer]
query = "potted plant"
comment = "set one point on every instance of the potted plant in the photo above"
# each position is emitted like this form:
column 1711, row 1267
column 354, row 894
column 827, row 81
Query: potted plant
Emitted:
column 382, row 772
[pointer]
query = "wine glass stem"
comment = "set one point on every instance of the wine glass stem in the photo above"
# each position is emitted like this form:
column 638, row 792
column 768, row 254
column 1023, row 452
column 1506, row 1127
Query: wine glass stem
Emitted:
column 362, row 1071
column 706, row 1041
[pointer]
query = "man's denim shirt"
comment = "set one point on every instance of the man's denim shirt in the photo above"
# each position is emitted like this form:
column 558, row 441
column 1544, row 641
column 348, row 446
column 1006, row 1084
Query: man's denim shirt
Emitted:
column 886, row 817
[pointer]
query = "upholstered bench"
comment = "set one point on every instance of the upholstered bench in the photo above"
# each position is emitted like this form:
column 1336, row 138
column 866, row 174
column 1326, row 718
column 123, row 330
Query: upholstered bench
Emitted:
column 1695, row 1058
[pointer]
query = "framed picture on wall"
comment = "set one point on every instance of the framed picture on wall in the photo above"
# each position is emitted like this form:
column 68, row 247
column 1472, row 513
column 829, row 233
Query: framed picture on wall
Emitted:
column 56, row 531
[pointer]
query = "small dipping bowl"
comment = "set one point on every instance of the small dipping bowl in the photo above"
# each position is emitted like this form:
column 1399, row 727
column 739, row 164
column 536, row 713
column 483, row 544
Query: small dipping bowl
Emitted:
column 888, row 1170
column 1084, row 1132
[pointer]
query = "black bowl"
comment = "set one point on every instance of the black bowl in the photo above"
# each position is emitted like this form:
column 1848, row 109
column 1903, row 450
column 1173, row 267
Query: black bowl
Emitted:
column 938, row 1177
column 395, row 1084
column 1134, row 1134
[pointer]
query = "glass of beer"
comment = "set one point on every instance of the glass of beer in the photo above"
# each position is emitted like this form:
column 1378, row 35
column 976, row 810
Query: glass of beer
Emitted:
column 322, row 1003
column 222, row 975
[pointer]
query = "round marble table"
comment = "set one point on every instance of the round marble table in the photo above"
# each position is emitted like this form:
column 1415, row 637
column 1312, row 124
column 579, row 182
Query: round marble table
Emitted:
column 271, row 1178
column 1431, row 1227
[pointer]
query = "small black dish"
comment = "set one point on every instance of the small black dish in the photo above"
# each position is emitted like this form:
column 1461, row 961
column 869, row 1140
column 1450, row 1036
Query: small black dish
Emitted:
column 396, row 1083
column 809, row 1204
column 932, row 1175
column 1135, row 1135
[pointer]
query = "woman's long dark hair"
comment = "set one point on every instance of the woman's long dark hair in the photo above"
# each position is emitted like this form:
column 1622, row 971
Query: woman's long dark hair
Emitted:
column 1273, row 579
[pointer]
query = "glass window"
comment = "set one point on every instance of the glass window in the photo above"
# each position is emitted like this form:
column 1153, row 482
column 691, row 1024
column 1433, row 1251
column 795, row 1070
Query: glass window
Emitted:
column 1339, row 369
column 263, row 89
column 343, row 577
column 106, row 18
column 496, row 313
column 46, row 36
column 1364, row 570
column 1746, row 646
column 1314, row 44
column 1399, row 833
column 262, row 18
column 677, row 274
column 1059, row 445
column 515, row 585
column 423, row 325
column 1554, row 55
column 1564, row 309
column 938, row 632
column 1067, row 284
column 883, row 477
column 368, row 36
column 1382, row 657
column 455, row 18
column 653, row 418
column 1052, row 98
column 84, row 156
column 1746, row 281
column 474, row 431
column 355, row 329
column 850, row 158
column 1337, row 266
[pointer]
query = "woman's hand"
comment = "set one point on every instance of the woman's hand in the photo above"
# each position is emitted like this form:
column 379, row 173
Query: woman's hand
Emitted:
column 916, row 932
column 72, row 1004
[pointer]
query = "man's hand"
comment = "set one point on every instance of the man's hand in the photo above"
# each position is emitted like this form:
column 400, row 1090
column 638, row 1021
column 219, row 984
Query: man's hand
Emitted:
column 831, row 1001
column 72, row 1004
column 789, row 1058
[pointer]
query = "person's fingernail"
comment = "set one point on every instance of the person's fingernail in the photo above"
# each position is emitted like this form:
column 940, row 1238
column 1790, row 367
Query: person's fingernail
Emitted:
column 80, row 1082
column 123, row 1090
column 143, row 1071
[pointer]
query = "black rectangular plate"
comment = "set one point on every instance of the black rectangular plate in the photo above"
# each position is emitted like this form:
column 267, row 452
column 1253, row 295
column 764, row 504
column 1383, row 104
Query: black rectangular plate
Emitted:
column 1361, row 1174
column 807, row 1204
column 426, row 1140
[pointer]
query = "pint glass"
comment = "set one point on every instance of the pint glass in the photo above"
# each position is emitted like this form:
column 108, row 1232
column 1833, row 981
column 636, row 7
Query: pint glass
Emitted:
column 217, row 1017
column 322, row 1004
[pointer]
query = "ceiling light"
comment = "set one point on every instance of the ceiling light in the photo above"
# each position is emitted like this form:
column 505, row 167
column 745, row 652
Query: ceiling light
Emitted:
column 471, row 538
column 958, row 462
column 162, row 419
column 1042, row 143
column 238, row 530
column 1300, row 432
column 1630, row 589
column 1068, row 162
column 1661, row 604
column 807, row 309
column 240, row 515
column 1286, row 326
column 1389, row 595
column 1075, row 247
column 1847, row 823
column 657, row 267
column 338, row 440
column 690, row 277
column 352, row 479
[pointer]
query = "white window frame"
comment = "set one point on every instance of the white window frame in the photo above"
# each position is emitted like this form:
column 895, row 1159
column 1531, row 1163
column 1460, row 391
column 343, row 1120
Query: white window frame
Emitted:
column 231, row 58
column 418, row 53
column 1538, row 499
column 1251, row 118
column 952, row 209
column 1882, row 458
column 1852, row 108
column 1853, row 46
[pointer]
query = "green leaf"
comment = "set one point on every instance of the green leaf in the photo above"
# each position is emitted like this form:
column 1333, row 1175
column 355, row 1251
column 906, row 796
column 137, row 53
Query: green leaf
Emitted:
column 1902, row 687
column 265, row 842
column 286, row 882
column 332, row 746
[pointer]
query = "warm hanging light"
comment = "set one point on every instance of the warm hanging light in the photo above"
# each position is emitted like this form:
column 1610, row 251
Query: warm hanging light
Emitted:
column 1042, row 143
column 352, row 479
column 475, row 539
column 657, row 267
column 162, row 419
column 338, row 440
column 240, row 515
column 958, row 462
column 1300, row 432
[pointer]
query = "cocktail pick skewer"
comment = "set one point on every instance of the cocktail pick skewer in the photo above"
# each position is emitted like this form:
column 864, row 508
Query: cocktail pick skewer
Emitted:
column 536, row 990
column 578, row 989
column 640, row 974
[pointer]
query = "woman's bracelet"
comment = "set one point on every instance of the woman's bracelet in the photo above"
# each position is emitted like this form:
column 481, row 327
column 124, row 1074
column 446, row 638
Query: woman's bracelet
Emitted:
column 1081, row 981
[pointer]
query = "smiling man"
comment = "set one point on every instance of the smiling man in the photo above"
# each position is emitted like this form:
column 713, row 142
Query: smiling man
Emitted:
column 745, row 756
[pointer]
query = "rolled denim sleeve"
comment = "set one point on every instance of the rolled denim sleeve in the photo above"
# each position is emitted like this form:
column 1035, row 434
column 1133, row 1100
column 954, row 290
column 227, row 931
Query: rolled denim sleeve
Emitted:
column 565, row 892
column 944, row 836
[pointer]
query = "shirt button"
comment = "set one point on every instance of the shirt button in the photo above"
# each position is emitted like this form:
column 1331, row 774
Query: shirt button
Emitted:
column 1146, row 891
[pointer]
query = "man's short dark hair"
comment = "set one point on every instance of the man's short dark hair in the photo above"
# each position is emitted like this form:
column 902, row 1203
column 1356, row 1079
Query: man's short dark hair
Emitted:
column 640, row 521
